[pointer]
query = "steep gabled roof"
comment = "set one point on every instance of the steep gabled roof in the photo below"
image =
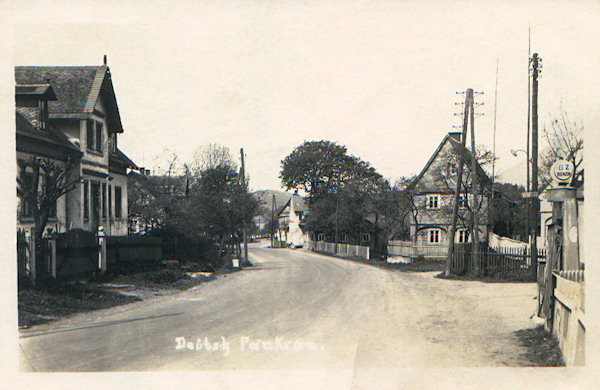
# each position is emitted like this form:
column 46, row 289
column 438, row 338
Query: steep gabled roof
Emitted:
column 77, row 89
column 457, row 147
column 300, row 204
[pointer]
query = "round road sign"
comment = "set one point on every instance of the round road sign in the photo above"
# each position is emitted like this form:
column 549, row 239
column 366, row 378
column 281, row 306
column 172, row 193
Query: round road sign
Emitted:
column 562, row 171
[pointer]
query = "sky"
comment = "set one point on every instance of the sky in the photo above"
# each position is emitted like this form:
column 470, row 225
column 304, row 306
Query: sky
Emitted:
column 378, row 77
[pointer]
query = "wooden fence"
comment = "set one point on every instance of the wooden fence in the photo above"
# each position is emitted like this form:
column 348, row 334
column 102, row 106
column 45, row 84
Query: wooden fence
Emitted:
column 125, row 253
column 409, row 249
column 76, row 253
column 81, row 253
column 505, row 263
column 344, row 250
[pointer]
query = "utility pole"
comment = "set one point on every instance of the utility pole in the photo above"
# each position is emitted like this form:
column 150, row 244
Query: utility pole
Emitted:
column 245, row 189
column 534, row 157
column 528, row 136
column 475, row 190
column 461, row 161
column 273, row 222
column 490, row 204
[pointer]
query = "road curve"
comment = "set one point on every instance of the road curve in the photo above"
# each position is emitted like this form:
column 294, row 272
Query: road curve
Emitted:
column 295, row 310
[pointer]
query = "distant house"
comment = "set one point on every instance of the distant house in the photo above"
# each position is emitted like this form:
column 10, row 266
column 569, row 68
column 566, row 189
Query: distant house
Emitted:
column 71, row 111
column 433, row 196
column 143, row 215
column 292, row 220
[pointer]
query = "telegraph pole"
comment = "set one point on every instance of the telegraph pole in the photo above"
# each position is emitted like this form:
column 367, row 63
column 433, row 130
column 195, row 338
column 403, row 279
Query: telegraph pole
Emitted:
column 528, row 147
column 490, row 204
column 245, row 188
column 534, row 157
column 273, row 222
column 475, row 190
column 461, row 161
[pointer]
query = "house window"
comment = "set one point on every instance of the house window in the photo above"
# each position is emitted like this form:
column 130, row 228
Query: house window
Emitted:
column 110, row 205
column 26, row 210
column 117, row 202
column 104, row 213
column 366, row 237
column 99, row 136
column 433, row 236
column 90, row 134
column 433, row 201
column 451, row 168
column 462, row 201
column 86, row 201
column 342, row 237
column 43, row 114
column 463, row 235
column 320, row 237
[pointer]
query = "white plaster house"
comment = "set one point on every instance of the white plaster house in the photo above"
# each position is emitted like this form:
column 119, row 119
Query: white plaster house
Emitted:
column 74, row 112
column 292, row 221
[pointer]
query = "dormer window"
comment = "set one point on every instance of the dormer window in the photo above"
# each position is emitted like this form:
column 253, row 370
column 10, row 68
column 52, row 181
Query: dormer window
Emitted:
column 43, row 114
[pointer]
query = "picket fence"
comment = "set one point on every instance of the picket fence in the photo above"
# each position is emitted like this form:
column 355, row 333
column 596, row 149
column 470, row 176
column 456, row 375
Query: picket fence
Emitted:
column 344, row 250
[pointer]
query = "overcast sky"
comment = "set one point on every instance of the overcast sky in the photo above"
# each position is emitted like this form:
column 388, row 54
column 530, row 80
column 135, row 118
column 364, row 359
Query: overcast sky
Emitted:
column 379, row 77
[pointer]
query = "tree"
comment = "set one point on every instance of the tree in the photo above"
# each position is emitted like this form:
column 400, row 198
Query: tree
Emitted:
column 223, row 204
column 565, row 141
column 399, row 208
column 40, row 183
column 509, row 211
column 211, row 156
column 320, row 167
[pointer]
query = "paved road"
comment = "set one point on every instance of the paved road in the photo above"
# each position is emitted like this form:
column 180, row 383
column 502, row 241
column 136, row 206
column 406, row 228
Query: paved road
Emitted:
column 296, row 310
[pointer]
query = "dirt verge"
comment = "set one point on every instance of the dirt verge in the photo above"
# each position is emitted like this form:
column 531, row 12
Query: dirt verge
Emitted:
column 61, row 299
column 542, row 347
column 418, row 265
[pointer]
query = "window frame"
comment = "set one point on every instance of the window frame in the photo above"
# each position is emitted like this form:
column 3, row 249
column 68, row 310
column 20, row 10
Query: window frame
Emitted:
column 434, row 233
column 90, row 134
column 118, row 202
column 86, row 199
column 463, row 201
column 99, row 136
column 26, row 209
column 463, row 236
column 103, row 204
column 428, row 201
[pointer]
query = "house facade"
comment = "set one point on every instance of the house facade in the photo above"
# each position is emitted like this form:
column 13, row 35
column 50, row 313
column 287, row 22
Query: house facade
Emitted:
column 433, row 198
column 81, row 118
column 292, row 220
